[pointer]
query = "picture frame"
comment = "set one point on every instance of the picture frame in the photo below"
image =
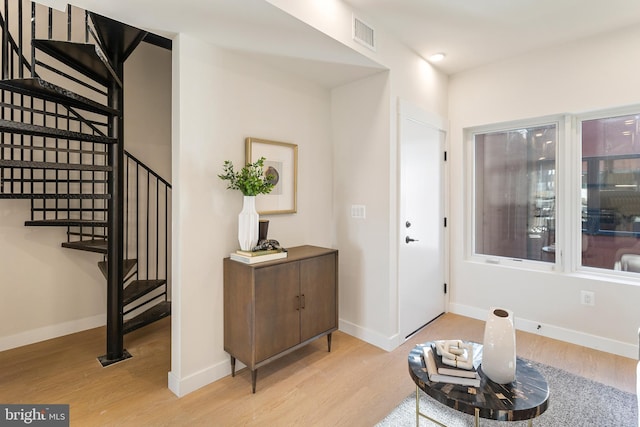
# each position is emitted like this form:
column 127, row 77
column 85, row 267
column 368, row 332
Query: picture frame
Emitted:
column 281, row 160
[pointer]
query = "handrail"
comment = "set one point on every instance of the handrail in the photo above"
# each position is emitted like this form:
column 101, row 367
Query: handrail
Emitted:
column 147, row 218
column 147, row 168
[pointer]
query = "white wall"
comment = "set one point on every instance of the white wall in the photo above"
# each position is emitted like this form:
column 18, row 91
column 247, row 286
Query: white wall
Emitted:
column 49, row 291
column 147, row 102
column 593, row 74
column 366, row 152
column 220, row 98
column 361, row 128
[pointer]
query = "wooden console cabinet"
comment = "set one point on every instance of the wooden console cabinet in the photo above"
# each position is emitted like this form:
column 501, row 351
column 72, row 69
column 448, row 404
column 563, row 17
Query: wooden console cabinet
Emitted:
column 275, row 307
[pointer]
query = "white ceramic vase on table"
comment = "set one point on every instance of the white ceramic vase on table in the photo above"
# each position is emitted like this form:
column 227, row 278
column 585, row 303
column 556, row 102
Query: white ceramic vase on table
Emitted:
column 248, row 224
column 499, row 346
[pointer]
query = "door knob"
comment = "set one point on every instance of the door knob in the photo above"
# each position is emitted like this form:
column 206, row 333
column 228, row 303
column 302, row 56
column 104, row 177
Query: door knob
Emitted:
column 409, row 240
column 407, row 224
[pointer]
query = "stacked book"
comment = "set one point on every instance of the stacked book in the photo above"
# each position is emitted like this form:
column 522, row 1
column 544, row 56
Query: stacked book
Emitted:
column 442, row 368
column 253, row 257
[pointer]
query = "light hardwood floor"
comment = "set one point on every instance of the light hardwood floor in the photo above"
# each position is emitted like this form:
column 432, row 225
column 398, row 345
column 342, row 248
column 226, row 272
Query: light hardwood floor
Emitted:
column 356, row 384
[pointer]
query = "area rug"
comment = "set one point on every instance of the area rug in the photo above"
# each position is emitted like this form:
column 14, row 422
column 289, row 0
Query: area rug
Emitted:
column 574, row 401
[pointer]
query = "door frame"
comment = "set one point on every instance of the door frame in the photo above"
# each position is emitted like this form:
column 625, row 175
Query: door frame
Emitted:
column 409, row 110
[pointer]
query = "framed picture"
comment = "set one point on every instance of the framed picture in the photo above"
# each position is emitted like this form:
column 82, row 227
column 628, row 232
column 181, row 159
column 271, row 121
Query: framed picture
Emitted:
column 281, row 161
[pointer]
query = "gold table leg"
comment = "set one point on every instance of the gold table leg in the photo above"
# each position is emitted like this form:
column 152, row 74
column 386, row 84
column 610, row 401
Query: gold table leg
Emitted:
column 417, row 406
column 420, row 414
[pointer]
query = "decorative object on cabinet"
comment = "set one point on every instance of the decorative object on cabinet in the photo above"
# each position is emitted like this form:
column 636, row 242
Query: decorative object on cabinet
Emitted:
column 263, row 229
column 499, row 353
column 248, row 223
column 258, row 256
column 276, row 307
column 282, row 168
column 251, row 181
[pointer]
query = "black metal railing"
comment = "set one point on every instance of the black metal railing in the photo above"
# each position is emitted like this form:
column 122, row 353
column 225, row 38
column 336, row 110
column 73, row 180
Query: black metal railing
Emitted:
column 147, row 225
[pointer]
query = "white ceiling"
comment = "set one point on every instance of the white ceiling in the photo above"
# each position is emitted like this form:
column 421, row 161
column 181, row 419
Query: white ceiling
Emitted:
column 470, row 32
column 477, row 32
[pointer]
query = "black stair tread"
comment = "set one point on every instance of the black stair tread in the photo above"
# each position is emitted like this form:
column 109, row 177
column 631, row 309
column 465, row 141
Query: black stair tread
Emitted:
column 95, row 245
column 61, row 181
column 128, row 266
column 68, row 209
column 66, row 223
column 116, row 36
column 155, row 313
column 37, row 130
column 53, row 149
column 138, row 288
column 48, row 91
column 27, row 164
column 84, row 196
column 85, row 58
column 85, row 234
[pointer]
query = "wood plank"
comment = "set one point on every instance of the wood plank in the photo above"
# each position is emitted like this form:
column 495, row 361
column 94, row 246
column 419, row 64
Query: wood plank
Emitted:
column 355, row 384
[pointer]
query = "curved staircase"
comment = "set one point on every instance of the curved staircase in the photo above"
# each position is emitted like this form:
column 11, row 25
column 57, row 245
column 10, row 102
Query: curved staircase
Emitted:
column 62, row 147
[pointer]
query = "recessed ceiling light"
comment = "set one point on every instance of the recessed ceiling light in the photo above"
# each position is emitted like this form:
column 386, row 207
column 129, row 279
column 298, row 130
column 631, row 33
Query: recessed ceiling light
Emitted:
column 437, row 57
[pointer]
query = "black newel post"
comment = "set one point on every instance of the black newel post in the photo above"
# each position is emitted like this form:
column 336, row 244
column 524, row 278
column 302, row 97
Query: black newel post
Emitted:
column 115, row 250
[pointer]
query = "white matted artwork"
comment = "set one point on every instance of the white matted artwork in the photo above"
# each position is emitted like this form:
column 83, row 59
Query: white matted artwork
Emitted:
column 281, row 163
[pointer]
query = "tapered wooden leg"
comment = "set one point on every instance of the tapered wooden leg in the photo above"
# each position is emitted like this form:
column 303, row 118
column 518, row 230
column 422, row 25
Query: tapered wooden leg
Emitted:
column 254, row 377
column 233, row 366
column 329, row 343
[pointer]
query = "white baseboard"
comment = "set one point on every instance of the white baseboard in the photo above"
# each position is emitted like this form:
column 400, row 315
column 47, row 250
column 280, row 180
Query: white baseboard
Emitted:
column 183, row 386
column 51, row 331
column 369, row 336
column 550, row 331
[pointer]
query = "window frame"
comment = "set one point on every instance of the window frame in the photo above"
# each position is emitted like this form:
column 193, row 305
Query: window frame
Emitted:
column 576, row 227
column 568, row 196
column 470, row 192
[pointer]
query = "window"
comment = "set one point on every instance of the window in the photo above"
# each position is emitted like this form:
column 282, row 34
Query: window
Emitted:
column 610, row 193
column 515, row 193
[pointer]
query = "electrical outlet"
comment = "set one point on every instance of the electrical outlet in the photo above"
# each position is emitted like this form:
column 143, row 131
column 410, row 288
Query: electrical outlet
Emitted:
column 587, row 298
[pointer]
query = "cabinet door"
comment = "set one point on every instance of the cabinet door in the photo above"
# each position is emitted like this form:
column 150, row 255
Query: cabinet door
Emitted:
column 277, row 319
column 319, row 295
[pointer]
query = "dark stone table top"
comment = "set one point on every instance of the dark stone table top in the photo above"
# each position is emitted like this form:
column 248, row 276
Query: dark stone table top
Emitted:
column 525, row 398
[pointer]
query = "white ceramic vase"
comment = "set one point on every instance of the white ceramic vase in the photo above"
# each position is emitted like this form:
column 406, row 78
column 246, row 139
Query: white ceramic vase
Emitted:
column 499, row 347
column 248, row 224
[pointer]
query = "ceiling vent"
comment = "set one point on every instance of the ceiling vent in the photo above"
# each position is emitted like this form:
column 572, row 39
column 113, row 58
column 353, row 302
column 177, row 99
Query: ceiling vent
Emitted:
column 364, row 34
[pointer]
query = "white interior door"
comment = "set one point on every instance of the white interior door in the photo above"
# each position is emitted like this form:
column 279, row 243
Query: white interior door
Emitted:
column 421, row 260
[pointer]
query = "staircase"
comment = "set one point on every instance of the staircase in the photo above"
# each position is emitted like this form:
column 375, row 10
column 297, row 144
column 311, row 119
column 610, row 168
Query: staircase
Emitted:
column 62, row 147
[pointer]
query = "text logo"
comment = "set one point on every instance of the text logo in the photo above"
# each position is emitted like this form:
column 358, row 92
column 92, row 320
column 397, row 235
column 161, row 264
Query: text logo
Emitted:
column 34, row 415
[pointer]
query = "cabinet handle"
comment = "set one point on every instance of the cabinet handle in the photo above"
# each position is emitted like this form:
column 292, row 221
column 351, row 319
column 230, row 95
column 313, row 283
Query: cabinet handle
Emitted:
column 303, row 301
column 297, row 302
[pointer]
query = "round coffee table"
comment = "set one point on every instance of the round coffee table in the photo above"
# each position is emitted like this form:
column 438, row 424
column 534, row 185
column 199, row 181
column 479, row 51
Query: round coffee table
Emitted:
column 524, row 399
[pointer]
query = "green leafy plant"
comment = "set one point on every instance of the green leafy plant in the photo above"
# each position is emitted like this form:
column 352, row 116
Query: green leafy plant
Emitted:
column 251, row 180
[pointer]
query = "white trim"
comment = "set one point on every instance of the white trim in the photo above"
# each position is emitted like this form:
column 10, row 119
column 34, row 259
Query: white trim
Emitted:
column 51, row 331
column 550, row 331
column 183, row 386
column 374, row 338
column 413, row 112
